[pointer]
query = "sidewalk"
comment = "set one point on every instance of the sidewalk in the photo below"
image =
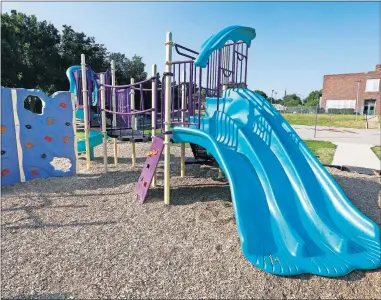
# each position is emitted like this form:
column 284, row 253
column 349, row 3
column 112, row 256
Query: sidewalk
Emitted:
column 353, row 145
column 356, row 155
column 339, row 135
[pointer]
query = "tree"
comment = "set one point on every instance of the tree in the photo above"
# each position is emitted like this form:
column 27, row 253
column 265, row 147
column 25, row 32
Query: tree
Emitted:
column 263, row 94
column 35, row 55
column 30, row 52
column 292, row 100
column 313, row 98
column 128, row 68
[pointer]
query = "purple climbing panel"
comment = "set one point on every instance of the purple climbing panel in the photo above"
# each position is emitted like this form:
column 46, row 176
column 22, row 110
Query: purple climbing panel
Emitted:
column 149, row 168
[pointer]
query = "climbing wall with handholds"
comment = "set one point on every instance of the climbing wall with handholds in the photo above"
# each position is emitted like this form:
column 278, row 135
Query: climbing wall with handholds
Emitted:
column 38, row 136
column 10, row 171
column 152, row 160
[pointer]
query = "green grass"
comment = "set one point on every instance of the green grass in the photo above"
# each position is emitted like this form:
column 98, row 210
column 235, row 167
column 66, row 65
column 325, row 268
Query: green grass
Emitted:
column 149, row 131
column 377, row 151
column 348, row 121
column 323, row 150
column 80, row 135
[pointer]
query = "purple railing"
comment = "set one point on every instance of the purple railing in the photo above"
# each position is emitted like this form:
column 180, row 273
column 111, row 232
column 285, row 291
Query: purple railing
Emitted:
column 226, row 67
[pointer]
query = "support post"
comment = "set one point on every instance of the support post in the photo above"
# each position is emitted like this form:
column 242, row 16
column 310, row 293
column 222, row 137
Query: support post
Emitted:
column 220, row 173
column 85, row 109
column 167, row 121
column 113, row 82
column 104, row 132
column 133, row 122
column 154, row 112
column 183, row 105
column 357, row 99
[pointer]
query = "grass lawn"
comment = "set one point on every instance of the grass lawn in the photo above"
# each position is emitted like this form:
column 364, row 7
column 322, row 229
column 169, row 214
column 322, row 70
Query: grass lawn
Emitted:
column 377, row 151
column 323, row 150
column 348, row 121
column 80, row 135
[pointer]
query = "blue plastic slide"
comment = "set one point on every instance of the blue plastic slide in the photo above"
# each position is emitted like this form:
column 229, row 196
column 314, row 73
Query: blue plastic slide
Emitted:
column 95, row 139
column 291, row 215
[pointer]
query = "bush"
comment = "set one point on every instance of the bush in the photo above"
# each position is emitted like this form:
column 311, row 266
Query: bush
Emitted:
column 341, row 111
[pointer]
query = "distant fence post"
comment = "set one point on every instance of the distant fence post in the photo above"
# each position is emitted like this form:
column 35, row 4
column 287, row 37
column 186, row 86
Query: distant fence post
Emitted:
column 316, row 118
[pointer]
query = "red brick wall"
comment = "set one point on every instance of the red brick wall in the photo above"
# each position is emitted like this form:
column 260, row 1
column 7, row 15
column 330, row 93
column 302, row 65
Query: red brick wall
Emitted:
column 344, row 87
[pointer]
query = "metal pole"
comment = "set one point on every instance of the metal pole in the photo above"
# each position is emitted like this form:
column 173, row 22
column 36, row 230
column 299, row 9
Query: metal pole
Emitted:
column 154, row 112
column 85, row 109
column 167, row 124
column 183, row 103
column 104, row 132
column 272, row 92
column 113, row 82
column 357, row 99
column 316, row 118
column 133, row 123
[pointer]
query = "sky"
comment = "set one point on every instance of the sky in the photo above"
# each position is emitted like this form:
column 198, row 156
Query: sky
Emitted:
column 296, row 43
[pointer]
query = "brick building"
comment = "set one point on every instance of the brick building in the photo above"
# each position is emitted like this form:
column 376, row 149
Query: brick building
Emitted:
column 340, row 91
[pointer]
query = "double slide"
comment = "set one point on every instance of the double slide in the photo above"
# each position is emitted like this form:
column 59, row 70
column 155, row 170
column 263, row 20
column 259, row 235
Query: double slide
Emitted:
column 291, row 215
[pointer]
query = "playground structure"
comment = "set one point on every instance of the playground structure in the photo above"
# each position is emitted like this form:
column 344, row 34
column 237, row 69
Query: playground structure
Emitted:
column 291, row 215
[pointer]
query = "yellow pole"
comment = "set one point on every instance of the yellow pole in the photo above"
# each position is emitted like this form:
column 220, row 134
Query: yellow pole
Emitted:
column 220, row 174
column 113, row 82
column 153, row 116
column 133, row 123
column 85, row 109
column 104, row 132
column 167, row 121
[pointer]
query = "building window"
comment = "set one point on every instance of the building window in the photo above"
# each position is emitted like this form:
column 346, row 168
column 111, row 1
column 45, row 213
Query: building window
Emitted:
column 372, row 85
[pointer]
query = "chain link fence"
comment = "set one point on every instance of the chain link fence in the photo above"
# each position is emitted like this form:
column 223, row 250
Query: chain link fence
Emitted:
column 315, row 115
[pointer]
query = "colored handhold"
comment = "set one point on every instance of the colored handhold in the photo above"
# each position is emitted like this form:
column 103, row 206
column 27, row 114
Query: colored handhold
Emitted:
column 63, row 105
column 153, row 152
column 48, row 138
column 50, row 121
column 34, row 172
column 66, row 139
column 145, row 183
column 67, row 123
column 29, row 145
column 2, row 152
column 3, row 129
column 28, row 126
column 5, row 172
